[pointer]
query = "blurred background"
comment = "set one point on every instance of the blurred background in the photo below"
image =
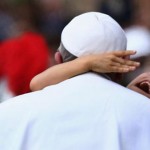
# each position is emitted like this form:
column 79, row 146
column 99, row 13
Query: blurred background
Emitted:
column 30, row 34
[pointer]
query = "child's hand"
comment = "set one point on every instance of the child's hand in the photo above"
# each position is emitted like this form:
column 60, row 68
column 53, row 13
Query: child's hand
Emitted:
column 112, row 62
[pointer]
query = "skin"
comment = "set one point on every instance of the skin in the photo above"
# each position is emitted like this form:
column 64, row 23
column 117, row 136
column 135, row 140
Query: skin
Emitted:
column 102, row 63
column 141, row 84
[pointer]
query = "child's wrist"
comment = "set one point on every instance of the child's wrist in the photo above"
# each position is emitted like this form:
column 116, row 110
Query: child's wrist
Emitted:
column 87, row 61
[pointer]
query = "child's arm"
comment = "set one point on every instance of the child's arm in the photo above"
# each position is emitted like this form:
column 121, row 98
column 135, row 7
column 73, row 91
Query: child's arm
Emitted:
column 102, row 63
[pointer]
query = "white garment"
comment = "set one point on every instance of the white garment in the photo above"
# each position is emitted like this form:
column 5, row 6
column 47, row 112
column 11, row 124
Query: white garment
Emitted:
column 92, row 33
column 86, row 112
column 5, row 93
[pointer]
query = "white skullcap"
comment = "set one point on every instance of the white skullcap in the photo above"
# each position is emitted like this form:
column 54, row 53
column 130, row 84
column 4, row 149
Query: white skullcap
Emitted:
column 93, row 33
column 138, row 38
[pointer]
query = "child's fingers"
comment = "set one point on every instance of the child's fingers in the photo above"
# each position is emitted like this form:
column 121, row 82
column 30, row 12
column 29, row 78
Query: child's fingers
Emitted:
column 124, row 53
column 120, row 69
column 119, row 60
column 126, row 62
column 132, row 63
column 116, row 67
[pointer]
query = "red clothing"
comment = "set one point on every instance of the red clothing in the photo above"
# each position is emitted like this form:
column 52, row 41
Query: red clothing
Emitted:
column 24, row 58
column 2, row 63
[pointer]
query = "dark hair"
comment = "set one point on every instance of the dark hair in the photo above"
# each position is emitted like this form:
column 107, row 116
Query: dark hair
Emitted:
column 66, row 55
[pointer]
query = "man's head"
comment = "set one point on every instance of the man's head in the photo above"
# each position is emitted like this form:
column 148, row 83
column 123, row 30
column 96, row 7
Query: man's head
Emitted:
column 92, row 33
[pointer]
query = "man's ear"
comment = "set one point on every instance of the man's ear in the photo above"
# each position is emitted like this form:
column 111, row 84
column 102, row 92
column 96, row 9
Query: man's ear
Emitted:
column 58, row 58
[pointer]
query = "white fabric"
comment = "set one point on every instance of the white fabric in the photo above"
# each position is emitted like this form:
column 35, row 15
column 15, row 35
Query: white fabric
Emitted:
column 86, row 112
column 93, row 33
column 5, row 93
column 138, row 38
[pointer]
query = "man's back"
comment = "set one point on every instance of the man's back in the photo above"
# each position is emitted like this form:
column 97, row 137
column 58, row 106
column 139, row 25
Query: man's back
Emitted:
column 78, row 114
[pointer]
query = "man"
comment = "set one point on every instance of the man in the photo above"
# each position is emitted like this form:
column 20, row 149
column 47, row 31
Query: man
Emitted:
column 87, row 112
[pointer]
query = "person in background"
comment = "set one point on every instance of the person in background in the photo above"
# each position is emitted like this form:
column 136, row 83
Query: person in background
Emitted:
column 24, row 53
column 139, row 79
column 142, row 35
column 23, row 57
